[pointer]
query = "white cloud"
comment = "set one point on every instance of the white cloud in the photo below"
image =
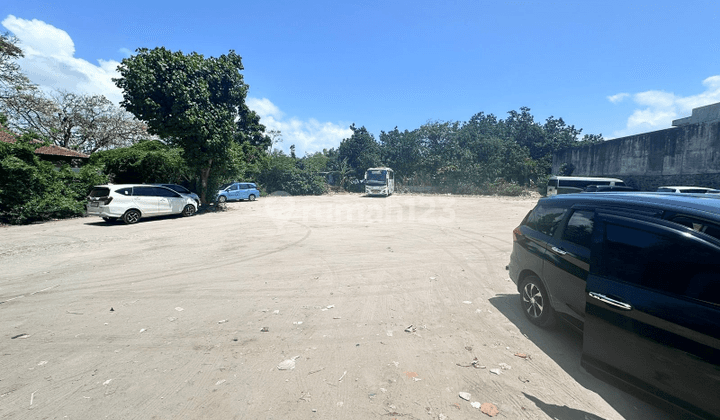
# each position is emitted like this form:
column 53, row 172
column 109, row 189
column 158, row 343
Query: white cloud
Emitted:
column 308, row 136
column 659, row 109
column 618, row 98
column 50, row 61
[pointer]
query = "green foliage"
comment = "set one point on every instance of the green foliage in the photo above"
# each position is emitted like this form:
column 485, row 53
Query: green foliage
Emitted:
column 360, row 150
column 284, row 174
column 34, row 190
column 147, row 161
column 197, row 102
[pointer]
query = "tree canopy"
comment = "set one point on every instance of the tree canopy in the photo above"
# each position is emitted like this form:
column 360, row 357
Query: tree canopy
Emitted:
column 196, row 103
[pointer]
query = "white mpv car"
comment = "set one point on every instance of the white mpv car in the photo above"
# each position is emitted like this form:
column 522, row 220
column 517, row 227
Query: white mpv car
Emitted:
column 130, row 202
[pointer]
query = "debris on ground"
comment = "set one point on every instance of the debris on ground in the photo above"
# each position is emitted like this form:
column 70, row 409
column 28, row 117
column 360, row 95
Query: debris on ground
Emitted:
column 465, row 396
column 475, row 404
column 489, row 409
column 523, row 355
column 179, row 309
column 410, row 329
column 505, row 366
column 523, row 379
column 265, row 329
column 495, row 371
column 288, row 364
column 475, row 363
column 222, row 321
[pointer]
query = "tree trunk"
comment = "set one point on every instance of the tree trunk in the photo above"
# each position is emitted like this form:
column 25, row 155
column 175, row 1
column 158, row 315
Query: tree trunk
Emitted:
column 204, row 176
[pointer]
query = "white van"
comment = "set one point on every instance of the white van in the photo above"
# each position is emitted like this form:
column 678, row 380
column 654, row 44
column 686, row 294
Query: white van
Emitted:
column 130, row 202
column 575, row 184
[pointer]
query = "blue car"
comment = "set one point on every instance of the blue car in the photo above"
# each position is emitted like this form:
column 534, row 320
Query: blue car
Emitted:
column 237, row 191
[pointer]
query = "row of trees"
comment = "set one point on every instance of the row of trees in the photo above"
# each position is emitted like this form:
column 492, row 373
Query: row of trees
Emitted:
column 482, row 155
column 184, row 119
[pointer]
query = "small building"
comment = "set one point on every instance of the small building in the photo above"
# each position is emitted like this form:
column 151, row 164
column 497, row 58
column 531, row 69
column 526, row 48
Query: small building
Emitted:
column 56, row 154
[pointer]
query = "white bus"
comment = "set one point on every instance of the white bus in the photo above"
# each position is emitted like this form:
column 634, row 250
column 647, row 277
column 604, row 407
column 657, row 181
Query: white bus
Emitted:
column 379, row 181
column 574, row 184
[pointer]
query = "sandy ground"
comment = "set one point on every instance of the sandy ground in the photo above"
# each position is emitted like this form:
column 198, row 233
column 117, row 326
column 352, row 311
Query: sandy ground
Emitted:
column 387, row 308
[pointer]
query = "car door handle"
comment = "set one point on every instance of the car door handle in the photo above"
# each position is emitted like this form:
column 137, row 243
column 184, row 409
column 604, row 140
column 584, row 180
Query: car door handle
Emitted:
column 559, row 250
column 610, row 301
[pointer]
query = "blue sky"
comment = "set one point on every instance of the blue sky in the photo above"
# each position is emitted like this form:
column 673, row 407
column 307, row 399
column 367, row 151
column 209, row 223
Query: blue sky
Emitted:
column 609, row 67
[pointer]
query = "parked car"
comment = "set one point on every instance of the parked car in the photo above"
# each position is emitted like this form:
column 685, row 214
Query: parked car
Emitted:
column 131, row 202
column 575, row 184
column 237, row 191
column 639, row 274
column 693, row 190
column 183, row 191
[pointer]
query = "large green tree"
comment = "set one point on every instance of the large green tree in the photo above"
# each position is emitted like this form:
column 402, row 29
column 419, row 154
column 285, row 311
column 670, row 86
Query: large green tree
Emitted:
column 360, row 150
column 196, row 103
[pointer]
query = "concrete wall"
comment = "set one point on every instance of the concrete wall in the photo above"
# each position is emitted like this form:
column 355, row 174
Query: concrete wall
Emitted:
column 685, row 155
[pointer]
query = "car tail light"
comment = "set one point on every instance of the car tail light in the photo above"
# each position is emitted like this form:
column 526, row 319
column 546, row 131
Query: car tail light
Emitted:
column 106, row 200
column 517, row 234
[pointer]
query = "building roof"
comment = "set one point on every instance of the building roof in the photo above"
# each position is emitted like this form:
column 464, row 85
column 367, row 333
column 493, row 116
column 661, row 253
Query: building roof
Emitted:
column 52, row 150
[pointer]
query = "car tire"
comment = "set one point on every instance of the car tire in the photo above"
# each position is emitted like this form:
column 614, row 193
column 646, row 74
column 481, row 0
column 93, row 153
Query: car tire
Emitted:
column 535, row 302
column 188, row 211
column 222, row 199
column 252, row 197
column 131, row 216
column 110, row 219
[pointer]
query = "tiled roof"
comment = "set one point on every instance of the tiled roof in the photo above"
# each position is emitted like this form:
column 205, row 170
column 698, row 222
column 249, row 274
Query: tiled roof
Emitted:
column 6, row 136
column 51, row 150
column 54, row 150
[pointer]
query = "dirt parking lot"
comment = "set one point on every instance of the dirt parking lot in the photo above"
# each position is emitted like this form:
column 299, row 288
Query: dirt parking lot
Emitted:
column 375, row 308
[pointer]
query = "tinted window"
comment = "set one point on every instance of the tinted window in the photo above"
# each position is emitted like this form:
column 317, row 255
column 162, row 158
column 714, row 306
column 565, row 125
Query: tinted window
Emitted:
column 663, row 260
column 553, row 183
column 164, row 192
column 124, row 191
column 699, row 225
column 546, row 219
column 100, row 192
column 178, row 188
column 234, row 187
column 143, row 191
column 579, row 228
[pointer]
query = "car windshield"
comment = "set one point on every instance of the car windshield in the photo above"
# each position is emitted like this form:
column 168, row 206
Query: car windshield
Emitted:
column 226, row 185
column 178, row 188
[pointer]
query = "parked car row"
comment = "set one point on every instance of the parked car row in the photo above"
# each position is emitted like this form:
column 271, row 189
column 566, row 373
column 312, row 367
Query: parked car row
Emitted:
column 574, row 184
column 131, row 202
column 639, row 274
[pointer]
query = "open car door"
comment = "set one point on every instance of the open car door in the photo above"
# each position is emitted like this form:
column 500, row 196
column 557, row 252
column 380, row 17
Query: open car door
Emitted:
column 652, row 315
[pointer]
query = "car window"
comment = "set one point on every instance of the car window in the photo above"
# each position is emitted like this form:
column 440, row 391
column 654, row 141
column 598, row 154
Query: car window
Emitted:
column 143, row 191
column 546, row 219
column 100, row 192
column 164, row 192
column 124, row 191
column 579, row 228
column 660, row 259
column 234, row 187
column 178, row 188
column 699, row 225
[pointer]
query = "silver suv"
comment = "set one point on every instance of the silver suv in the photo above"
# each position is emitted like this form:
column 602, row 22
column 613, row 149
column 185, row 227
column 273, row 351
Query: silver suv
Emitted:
column 131, row 202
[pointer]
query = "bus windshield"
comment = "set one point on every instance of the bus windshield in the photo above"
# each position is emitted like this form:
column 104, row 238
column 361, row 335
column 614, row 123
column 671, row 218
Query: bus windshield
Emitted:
column 376, row 177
